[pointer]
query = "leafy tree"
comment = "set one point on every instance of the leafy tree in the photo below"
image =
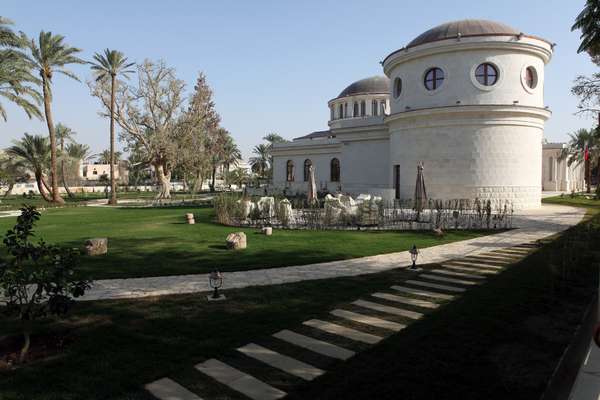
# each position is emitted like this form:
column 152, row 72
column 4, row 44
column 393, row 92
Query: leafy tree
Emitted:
column 238, row 177
column 148, row 114
column 37, row 279
column 34, row 152
column 588, row 23
column 16, row 79
column 12, row 171
column 64, row 133
column 109, row 66
column 575, row 151
column 105, row 156
column 261, row 163
column 49, row 55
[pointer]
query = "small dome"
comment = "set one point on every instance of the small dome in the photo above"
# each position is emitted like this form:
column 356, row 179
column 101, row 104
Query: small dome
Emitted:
column 465, row 27
column 374, row 84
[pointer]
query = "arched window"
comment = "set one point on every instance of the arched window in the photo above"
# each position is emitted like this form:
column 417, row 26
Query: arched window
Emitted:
column 345, row 110
column 289, row 171
column 434, row 77
column 335, row 170
column 355, row 109
column 331, row 113
column 307, row 164
column 550, row 169
column 382, row 106
column 374, row 109
column 363, row 108
column 486, row 74
column 397, row 87
column 531, row 77
column 341, row 111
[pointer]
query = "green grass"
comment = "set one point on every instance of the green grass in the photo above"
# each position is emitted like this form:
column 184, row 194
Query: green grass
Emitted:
column 157, row 241
column 500, row 340
column 576, row 201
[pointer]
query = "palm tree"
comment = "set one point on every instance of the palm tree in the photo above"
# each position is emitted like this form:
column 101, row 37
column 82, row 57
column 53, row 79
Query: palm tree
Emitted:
column 108, row 66
column 77, row 151
column 105, row 156
column 575, row 152
column 64, row 133
column 230, row 155
column 260, row 164
column 48, row 55
column 12, row 170
column 587, row 22
column 15, row 74
column 34, row 152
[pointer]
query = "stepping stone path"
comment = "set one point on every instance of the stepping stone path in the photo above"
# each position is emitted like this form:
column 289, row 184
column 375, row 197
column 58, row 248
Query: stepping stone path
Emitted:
column 408, row 302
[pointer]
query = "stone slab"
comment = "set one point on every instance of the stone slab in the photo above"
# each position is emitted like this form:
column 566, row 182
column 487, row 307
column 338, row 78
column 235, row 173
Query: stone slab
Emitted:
column 459, row 274
column 449, row 280
column 477, row 264
column 282, row 362
column 406, row 300
column 424, row 293
column 470, row 269
column 315, row 345
column 436, row 286
column 239, row 381
column 485, row 259
column 167, row 389
column 388, row 309
column 512, row 258
column 367, row 320
column 343, row 331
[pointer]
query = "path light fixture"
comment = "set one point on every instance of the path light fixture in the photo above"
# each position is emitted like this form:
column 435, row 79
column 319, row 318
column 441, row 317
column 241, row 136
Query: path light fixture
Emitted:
column 215, row 281
column 414, row 254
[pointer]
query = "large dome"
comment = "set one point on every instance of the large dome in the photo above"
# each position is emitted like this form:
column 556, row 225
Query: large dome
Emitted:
column 465, row 27
column 374, row 84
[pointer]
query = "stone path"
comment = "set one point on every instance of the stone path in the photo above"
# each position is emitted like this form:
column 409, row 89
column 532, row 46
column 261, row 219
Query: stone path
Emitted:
column 359, row 324
column 531, row 226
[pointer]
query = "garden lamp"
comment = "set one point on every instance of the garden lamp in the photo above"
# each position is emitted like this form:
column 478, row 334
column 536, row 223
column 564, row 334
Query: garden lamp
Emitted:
column 414, row 253
column 215, row 280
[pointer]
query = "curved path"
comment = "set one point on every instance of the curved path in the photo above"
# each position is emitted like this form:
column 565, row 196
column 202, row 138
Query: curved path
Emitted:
column 531, row 225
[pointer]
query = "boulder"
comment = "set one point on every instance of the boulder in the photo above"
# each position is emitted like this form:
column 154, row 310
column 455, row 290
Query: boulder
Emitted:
column 266, row 205
column 96, row 246
column 333, row 209
column 267, row 230
column 286, row 214
column 236, row 241
column 246, row 207
column 438, row 232
column 190, row 218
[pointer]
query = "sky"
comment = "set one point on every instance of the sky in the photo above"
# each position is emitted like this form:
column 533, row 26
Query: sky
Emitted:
column 273, row 65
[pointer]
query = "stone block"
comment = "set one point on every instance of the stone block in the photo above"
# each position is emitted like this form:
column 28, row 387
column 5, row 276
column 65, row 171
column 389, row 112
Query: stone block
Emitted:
column 236, row 241
column 96, row 246
column 267, row 230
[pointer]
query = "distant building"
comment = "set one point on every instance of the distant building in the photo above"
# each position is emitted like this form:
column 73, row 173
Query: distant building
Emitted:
column 557, row 174
column 93, row 172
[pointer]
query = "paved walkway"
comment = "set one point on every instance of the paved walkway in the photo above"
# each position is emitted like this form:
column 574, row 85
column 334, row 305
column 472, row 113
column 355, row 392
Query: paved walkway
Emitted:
column 315, row 346
column 587, row 385
column 532, row 225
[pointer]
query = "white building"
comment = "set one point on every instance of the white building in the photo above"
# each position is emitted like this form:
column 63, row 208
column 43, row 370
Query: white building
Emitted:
column 464, row 98
column 557, row 174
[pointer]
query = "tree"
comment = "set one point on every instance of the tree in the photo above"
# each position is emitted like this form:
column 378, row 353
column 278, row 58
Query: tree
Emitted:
column 238, row 177
column 575, row 152
column 49, row 55
column 12, row 171
column 105, row 157
column 148, row 114
column 261, row 162
column 64, row 133
column 37, row 278
column 587, row 23
column 34, row 152
column 231, row 155
column 109, row 66
column 16, row 79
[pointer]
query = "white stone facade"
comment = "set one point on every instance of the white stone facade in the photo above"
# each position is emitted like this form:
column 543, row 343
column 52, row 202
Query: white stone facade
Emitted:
column 476, row 122
column 557, row 174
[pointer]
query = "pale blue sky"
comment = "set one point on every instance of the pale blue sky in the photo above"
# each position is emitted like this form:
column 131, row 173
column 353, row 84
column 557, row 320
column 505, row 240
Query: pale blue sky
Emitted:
column 273, row 65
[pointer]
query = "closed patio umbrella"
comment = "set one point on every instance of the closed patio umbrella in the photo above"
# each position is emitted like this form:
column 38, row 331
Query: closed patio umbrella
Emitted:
column 420, row 191
column 312, row 185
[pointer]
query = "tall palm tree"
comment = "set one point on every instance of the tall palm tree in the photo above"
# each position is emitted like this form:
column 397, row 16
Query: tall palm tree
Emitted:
column 105, row 156
column 34, row 152
column 15, row 73
column 12, row 170
column 587, row 22
column 110, row 65
column 49, row 55
column 230, row 155
column 64, row 133
column 575, row 152
column 77, row 151
column 260, row 164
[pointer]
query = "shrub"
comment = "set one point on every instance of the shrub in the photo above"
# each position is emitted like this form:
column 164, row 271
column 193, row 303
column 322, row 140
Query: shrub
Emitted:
column 37, row 279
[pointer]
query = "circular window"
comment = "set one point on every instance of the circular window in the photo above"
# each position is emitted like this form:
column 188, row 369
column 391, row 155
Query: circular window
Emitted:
column 530, row 78
column 434, row 77
column 486, row 74
column 397, row 87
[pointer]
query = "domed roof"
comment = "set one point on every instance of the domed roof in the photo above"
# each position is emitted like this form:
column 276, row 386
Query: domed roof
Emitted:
column 374, row 84
column 465, row 27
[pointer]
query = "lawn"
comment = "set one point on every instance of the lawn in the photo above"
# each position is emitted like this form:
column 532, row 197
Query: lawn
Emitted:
column 157, row 241
column 500, row 340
